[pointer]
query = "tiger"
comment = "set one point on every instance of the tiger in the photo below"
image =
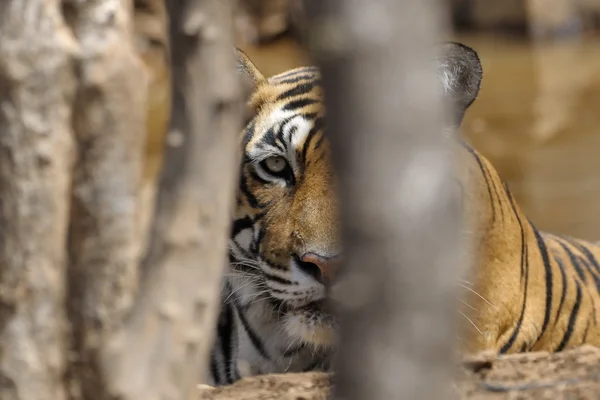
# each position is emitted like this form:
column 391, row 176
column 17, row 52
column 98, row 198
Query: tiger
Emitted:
column 527, row 290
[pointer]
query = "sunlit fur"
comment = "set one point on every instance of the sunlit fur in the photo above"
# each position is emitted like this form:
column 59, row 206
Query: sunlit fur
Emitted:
column 528, row 290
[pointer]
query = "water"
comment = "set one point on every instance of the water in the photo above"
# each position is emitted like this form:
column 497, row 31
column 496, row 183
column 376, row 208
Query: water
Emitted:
column 537, row 119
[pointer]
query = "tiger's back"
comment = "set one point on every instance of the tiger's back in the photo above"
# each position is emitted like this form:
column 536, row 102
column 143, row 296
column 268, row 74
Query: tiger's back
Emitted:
column 531, row 290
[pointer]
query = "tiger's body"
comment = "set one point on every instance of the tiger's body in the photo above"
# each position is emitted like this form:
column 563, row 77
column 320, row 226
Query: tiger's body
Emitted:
column 530, row 290
column 535, row 291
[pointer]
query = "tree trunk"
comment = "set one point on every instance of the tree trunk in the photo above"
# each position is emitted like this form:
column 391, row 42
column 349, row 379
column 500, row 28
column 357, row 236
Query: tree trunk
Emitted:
column 104, row 247
column 83, row 90
column 401, row 221
column 170, row 330
column 37, row 88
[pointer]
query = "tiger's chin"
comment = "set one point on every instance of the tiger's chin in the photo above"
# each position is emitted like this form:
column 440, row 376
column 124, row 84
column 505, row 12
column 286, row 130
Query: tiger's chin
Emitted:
column 312, row 325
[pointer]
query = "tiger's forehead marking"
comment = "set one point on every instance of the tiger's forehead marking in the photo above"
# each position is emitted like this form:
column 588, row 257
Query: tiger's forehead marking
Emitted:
column 291, row 103
column 283, row 133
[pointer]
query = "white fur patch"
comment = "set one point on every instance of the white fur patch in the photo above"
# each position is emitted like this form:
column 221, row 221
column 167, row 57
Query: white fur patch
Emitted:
column 294, row 134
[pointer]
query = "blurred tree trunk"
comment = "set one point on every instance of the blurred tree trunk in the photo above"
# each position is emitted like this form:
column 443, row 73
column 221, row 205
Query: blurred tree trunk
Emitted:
column 400, row 216
column 84, row 91
column 262, row 20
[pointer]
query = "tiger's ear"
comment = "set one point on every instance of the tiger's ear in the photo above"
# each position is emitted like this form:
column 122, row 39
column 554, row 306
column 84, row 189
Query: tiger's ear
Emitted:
column 460, row 72
column 251, row 76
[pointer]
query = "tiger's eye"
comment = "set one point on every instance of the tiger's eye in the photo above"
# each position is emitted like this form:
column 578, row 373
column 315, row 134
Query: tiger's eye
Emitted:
column 275, row 165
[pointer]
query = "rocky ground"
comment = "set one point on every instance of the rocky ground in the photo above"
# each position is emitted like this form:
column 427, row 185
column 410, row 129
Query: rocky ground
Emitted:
column 573, row 374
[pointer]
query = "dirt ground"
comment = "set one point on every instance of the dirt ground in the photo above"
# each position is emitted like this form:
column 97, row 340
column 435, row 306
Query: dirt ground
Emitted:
column 573, row 374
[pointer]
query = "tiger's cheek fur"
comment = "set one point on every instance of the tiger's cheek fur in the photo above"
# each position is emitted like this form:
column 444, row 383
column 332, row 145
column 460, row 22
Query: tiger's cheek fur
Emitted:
column 278, row 244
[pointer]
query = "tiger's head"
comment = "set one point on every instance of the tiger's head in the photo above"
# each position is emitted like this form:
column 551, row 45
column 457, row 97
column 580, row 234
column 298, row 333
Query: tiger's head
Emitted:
column 285, row 242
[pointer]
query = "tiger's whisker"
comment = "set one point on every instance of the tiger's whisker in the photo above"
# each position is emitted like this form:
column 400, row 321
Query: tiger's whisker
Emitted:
column 468, row 305
column 480, row 296
column 472, row 323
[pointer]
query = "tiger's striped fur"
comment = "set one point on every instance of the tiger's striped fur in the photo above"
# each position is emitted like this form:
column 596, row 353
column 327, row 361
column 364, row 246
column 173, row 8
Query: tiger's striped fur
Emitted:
column 284, row 240
column 530, row 290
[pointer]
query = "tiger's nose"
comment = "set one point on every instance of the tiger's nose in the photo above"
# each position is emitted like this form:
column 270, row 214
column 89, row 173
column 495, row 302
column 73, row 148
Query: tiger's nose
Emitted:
column 321, row 268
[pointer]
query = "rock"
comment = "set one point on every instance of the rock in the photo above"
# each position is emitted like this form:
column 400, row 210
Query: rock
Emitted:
column 573, row 374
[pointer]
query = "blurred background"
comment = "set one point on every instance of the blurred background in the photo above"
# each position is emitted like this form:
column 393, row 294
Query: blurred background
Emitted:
column 538, row 114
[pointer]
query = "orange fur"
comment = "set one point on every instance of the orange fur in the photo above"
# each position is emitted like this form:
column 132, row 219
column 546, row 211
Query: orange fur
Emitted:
column 502, row 252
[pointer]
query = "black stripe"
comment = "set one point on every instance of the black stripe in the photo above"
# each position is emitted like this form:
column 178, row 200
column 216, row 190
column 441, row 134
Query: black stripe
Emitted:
column 259, row 238
column 281, row 128
column 277, row 279
column 256, row 342
column 548, row 273
column 305, row 70
column 298, row 90
column 525, row 268
column 493, row 183
column 485, row 177
column 291, row 133
column 240, row 225
column 585, row 333
column 320, row 141
column 574, row 261
column 270, row 138
column 309, row 116
column 523, row 348
column 516, row 213
column 246, row 254
column 296, row 104
column 257, row 217
column 588, row 267
column 214, row 369
column 249, row 132
column 317, row 126
column 297, row 79
column 572, row 320
column 563, row 275
column 225, row 331
column 588, row 254
column 250, row 198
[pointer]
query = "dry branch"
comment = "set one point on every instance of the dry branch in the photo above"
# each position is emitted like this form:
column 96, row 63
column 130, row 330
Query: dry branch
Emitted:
column 37, row 88
column 385, row 121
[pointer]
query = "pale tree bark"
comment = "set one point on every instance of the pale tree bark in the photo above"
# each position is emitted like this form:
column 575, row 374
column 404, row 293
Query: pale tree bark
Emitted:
column 84, row 90
column 400, row 216
column 163, row 348
column 109, row 116
column 37, row 88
